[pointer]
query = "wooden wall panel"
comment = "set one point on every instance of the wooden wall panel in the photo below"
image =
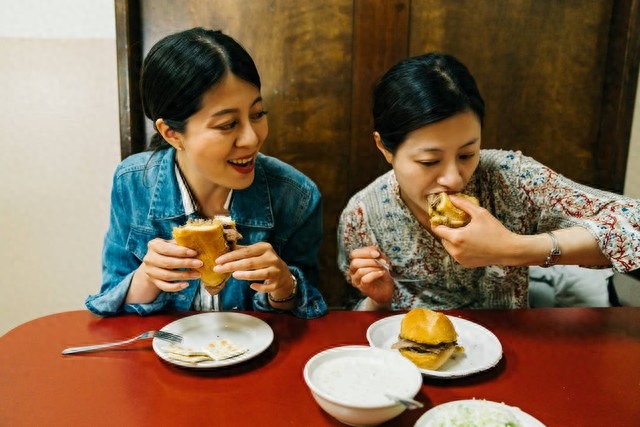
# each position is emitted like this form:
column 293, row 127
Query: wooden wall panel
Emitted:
column 559, row 79
column 380, row 33
column 540, row 68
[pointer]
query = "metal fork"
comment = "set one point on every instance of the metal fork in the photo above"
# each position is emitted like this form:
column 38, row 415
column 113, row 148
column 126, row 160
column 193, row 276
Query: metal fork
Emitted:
column 394, row 276
column 406, row 402
column 163, row 335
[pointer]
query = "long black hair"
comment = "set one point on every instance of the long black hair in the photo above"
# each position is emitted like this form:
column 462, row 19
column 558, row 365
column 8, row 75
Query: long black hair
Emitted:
column 180, row 68
column 419, row 91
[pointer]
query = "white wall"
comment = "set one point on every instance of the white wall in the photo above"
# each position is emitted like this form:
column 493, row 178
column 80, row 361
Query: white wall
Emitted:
column 59, row 144
column 59, row 141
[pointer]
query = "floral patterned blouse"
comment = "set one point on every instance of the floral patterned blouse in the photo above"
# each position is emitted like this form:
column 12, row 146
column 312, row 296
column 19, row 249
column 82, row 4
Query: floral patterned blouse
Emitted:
column 524, row 195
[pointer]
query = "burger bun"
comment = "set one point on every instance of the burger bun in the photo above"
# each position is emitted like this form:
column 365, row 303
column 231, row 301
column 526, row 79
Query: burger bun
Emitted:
column 426, row 326
column 431, row 361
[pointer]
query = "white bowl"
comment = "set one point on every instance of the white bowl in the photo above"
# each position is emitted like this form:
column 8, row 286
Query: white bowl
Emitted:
column 350, row 383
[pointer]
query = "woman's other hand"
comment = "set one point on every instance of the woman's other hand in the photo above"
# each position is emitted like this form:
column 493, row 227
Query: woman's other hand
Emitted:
column 369, row 277
column 258, row 263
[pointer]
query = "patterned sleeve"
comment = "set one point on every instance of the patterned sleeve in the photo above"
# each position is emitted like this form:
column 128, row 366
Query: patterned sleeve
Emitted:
column 614, row 220
column 353, row 233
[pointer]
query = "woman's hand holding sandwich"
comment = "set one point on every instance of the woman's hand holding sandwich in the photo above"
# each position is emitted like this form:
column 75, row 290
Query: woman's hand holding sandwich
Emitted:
column 259, row 263
column 166, row 267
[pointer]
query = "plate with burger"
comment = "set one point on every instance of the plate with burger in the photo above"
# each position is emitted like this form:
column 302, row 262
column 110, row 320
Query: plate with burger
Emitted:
column 440, row 345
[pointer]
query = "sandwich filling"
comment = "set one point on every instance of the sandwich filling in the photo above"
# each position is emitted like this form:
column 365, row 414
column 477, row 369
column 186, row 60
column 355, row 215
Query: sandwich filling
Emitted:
column 405, row 344
column 211, row 238
column 442, row 212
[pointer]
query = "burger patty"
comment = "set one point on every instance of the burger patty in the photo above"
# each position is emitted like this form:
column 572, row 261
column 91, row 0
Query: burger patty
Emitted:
column 405, row 344
column 231, row 235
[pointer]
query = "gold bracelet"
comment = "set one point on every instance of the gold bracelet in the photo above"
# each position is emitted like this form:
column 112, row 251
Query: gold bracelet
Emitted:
column 554, row 254
column 290, row 297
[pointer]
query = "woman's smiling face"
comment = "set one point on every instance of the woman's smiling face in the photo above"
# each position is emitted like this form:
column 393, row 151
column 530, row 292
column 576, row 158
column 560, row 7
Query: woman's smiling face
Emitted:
column 221, row 141
column 441, row 156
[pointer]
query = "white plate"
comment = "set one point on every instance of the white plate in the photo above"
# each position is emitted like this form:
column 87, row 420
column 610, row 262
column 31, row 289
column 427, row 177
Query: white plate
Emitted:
column 524, row 419
column 482, row 349
column 200, row 329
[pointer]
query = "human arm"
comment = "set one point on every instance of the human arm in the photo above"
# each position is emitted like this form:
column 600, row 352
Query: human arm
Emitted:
column 126, row 244
column 166, row 267
column 371, row 286
column 470, row 247
column 260, row 264
column 370, row 278
column 282, row 214
column 297, row 242
column 531, row 199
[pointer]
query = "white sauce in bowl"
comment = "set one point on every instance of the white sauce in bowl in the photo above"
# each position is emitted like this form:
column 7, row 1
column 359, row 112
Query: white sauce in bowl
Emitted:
column 360, row 379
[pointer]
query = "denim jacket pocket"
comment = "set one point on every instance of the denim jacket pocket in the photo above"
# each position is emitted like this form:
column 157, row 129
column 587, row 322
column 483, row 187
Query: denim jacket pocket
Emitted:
column 138, row 240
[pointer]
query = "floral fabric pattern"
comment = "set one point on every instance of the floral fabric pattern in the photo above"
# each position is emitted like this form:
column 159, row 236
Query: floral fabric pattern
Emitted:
column 526, row 196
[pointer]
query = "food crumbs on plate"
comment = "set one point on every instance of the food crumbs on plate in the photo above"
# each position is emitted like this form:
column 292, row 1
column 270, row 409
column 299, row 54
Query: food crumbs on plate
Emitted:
column 185, row 354
column 214, row 351
column 224, row 349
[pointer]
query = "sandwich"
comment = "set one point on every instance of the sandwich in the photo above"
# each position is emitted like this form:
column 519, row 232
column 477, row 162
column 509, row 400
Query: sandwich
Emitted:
column 442, row 212
column 211, row 238
column 427, row 338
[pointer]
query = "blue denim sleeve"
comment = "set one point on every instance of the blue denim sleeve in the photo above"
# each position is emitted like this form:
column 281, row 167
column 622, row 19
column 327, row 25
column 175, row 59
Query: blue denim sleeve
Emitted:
column 300, row 252
column 122, row 251
column 111, row 301
column 309, row 301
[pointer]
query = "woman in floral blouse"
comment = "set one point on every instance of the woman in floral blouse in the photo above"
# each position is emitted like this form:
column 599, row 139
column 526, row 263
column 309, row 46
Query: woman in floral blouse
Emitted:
column 428, row 116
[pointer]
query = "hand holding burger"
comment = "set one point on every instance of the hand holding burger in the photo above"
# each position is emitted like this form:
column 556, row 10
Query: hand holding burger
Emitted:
column 442, row 212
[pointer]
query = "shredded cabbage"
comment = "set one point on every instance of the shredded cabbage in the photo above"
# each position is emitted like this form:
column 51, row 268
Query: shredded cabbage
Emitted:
column 478, row 414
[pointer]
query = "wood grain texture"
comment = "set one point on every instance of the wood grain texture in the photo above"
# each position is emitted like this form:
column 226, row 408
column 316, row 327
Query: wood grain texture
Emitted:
column 129, row 60
column 540, row 67
column 380, row 33
column 558, row 78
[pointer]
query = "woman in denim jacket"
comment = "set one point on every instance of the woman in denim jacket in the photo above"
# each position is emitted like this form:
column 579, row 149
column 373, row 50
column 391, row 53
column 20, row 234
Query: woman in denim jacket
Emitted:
column 201, row 90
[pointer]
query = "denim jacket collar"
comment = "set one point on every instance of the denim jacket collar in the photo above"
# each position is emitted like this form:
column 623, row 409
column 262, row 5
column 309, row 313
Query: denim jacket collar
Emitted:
column 250, row 207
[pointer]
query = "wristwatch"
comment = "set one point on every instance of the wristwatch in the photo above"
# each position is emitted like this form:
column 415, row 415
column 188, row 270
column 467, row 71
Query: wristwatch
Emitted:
column 554, row 254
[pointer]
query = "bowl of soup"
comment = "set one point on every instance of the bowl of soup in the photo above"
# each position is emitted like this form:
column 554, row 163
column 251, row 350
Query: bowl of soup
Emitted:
column 351, row 383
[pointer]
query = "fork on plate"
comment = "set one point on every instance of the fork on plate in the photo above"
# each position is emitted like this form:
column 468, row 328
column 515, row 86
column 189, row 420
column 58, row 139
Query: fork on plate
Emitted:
column 163, row 335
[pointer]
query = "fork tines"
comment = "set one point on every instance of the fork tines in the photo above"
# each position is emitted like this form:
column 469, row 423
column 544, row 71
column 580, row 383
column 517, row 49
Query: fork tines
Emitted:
column 168, row 336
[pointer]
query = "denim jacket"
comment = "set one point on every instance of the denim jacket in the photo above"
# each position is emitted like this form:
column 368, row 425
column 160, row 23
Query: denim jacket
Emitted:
column 282, row 206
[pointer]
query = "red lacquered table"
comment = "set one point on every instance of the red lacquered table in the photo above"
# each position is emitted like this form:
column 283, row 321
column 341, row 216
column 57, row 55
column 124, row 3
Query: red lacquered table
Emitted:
column 564, row 366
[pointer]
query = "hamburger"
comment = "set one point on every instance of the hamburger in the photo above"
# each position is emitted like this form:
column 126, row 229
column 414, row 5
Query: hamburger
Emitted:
column 427, row 338
column 442, row 212
column 211, row 238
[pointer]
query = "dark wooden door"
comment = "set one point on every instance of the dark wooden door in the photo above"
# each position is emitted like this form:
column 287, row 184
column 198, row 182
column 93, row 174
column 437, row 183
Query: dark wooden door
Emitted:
column 559, row 79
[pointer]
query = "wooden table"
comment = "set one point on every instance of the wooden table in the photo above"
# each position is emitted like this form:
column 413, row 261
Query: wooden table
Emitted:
column 566, row 367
